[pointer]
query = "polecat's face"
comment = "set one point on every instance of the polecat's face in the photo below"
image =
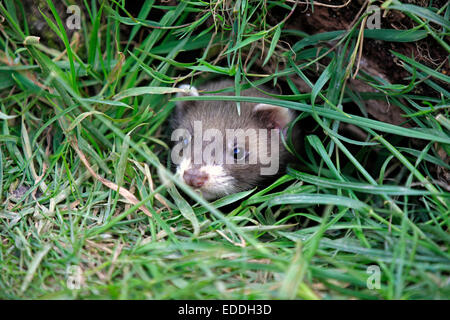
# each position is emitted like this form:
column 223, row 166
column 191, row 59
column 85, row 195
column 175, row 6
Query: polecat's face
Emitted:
column 219, row 152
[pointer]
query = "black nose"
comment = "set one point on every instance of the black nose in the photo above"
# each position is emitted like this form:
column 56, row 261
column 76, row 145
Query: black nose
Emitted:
column 195, row 178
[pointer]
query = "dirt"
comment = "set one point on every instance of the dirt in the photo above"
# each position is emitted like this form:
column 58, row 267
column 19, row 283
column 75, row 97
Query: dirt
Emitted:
column 377, row 58
column 35, row 11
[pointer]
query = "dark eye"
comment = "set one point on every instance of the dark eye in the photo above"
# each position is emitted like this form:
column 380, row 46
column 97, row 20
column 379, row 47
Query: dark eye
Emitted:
column 239, row 153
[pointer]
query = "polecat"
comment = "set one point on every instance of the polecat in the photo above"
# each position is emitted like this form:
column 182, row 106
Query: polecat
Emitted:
column 219, row 152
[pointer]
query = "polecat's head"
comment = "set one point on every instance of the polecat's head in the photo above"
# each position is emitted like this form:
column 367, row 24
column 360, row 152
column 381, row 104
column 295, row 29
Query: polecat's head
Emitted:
column 219, row 152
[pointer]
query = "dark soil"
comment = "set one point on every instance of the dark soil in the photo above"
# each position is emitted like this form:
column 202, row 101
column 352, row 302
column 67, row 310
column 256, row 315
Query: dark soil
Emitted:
column 377, row 53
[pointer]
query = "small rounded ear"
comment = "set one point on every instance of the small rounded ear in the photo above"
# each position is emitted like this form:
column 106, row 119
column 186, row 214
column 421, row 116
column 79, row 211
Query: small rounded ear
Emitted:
column 189, row 91
column 273, row 117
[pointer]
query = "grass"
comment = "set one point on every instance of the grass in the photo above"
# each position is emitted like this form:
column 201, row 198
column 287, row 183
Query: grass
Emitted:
column 84, row 153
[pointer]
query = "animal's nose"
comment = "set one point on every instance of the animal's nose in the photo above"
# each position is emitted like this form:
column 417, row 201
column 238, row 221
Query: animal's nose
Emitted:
column 195, row 178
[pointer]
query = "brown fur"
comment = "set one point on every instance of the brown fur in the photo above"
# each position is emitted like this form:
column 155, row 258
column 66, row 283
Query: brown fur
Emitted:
column 223, row 115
